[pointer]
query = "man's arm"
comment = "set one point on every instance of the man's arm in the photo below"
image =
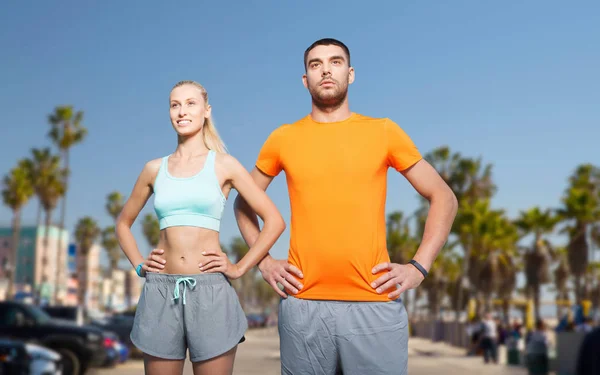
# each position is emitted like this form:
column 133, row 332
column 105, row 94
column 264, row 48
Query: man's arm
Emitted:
column 443, row 206
column 273, row 271
column 442, row 211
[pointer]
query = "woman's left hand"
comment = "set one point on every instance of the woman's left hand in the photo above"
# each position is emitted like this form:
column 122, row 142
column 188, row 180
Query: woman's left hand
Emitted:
column 217, row 261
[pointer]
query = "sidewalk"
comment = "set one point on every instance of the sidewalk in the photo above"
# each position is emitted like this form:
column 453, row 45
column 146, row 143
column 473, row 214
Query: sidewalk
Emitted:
column 436, row 357
column 259, row 355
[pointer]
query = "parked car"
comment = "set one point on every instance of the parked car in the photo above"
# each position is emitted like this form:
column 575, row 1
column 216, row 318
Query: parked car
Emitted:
column 71, row 313
column 123, row 351
column 18, row 357
column 121, row 325
column 116, row 351
column 80, row 347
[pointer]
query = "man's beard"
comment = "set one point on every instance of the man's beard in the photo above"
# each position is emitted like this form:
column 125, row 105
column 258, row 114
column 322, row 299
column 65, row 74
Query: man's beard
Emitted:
column 329, row 100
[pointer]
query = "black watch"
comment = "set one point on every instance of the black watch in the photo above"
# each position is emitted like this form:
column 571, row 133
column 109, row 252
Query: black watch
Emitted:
column 419, row 267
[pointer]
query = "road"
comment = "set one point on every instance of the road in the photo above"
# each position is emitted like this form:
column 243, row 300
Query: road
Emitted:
column 259, row 355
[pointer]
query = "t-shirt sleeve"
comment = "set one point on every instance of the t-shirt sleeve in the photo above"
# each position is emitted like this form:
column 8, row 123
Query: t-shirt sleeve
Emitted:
column 269, row 157
column 401, row 150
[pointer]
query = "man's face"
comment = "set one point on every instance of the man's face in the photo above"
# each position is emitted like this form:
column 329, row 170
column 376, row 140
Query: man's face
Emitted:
column 328, row 75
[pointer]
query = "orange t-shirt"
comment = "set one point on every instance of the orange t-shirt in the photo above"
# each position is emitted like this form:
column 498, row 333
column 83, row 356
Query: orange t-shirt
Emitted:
column 337, row 178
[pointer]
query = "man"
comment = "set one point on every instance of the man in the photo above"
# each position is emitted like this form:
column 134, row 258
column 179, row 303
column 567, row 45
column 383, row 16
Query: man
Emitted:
column 345, row 315
column 489, row 338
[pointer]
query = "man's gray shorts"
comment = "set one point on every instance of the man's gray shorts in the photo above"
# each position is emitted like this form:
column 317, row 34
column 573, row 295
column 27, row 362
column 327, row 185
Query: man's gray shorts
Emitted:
column 209, row 323
column 335, row 337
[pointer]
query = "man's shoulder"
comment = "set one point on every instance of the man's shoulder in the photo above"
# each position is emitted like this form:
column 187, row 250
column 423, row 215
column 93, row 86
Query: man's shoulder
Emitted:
column 285, row 128
column 377, row 124
column 370, row 119
column 362, row 117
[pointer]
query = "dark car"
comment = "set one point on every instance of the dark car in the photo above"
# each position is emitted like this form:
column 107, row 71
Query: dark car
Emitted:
column 74, row 314
column 13, row 358
column 80, row 347
column 121, row 325
column 21, row 358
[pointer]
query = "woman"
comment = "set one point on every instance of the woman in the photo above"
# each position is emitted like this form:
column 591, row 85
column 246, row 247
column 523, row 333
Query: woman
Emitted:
column 179, row 308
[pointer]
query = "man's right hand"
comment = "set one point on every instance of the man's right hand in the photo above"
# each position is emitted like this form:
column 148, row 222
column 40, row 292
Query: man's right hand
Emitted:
column 155, row 262
column 280, row 271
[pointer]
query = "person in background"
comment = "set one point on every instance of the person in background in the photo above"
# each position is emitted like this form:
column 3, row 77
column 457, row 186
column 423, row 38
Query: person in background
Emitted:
column 489, row 339
column 588, row 361
column 537, row 350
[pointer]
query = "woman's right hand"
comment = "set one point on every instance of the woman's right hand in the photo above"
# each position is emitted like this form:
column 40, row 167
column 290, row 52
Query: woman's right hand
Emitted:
column 155, row 262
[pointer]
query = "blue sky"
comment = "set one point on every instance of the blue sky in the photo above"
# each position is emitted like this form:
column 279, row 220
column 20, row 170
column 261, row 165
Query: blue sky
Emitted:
column 516, row 83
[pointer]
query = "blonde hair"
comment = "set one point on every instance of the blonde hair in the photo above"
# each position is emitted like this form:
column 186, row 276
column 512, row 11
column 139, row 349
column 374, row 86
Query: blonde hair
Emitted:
column 210, row 135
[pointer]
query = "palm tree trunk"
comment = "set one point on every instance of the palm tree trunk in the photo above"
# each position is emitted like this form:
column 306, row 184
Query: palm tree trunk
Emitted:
column 578, row 289
column 63, row 215
column 561, row 295
column 536, row 301
column 588, row 285
column 464, row 277
column 44, row 273
column 82, row 267
column 434, row 305
column 12, row 261
column 113, row 288
column 417, row 296
column 558, row 306
column 488, row 302
column 506, row 309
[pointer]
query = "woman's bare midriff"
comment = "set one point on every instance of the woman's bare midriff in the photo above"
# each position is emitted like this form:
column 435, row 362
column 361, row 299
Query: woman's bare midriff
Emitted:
column 183, row 247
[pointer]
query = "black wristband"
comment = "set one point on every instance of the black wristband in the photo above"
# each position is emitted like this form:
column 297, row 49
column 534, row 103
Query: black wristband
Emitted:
column 419, row 267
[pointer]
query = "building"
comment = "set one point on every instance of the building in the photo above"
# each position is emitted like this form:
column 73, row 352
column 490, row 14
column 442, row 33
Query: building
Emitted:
column 126, row 292
column 29, row 268
column 133, row 287
column 93, row 290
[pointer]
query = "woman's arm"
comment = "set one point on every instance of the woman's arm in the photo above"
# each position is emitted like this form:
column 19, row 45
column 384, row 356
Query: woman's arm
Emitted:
column 142, row 191
column 259, row 201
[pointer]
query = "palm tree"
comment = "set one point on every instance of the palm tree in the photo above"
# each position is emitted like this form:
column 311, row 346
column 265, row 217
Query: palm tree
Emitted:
column 113, row 250
column 151, row 229
column 445, row 272
column 508, row 282
column 66, row 131
column 561, row 276
column 492, row 240
column 16, row 192
column 470, row 180
column 538, row 257
column 581, row 212
column 48, row 182
column 401, row 244
column 86, row 233
column 114, row 204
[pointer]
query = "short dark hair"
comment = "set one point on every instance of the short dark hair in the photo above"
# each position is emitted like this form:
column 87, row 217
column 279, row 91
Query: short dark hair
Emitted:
column 327, row 42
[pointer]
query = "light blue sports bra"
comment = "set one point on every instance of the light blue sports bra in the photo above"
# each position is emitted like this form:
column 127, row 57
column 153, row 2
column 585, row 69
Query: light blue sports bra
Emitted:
column 189, row 201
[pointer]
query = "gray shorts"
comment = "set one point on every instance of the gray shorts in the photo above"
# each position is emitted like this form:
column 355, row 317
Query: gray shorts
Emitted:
column 200, row 312
column 335, row 337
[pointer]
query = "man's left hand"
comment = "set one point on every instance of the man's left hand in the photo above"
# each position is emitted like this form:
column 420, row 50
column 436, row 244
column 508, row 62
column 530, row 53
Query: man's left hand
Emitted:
column 404, row 274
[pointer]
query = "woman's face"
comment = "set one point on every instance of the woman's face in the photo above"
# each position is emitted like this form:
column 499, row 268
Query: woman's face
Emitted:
column 188, row 110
